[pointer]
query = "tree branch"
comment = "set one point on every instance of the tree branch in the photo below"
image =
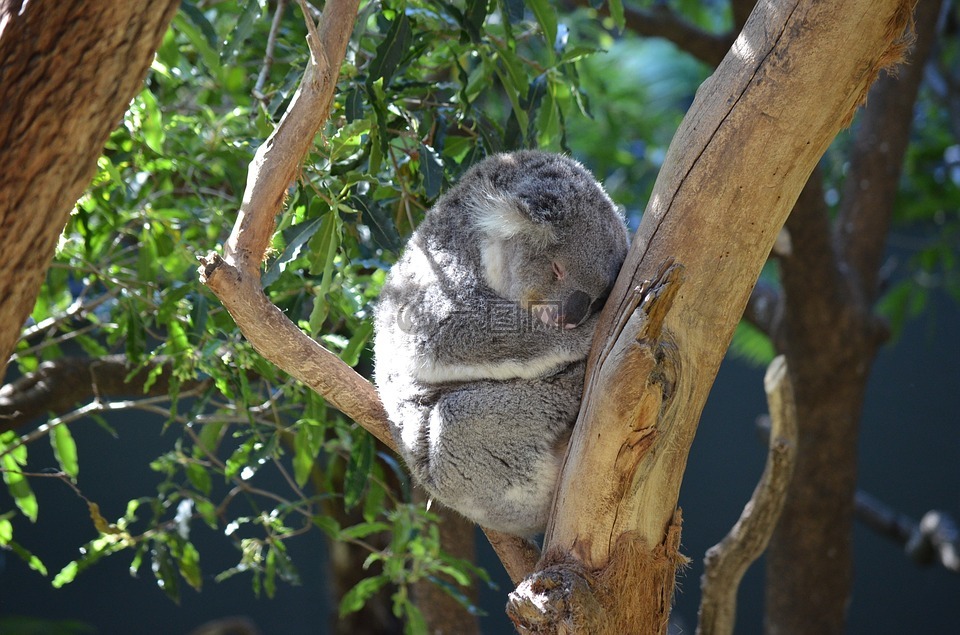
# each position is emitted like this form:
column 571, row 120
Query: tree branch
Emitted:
column 830, row 337
column 235, row 277
column 68, row 71
column 810, row 258
column 518, row 555
column 727, row 561
column 269, row 50
column 879, row 145
column 935, row 539
column 59, row 385
column 662, row 21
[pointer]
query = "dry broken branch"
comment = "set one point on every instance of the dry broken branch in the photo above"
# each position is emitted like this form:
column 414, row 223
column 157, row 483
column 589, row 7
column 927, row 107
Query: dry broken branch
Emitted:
column 934, row 540
column 727, row 561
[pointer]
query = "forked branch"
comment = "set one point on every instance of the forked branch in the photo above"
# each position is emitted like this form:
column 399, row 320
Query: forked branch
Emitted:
column 727, row 561
column 235, row 277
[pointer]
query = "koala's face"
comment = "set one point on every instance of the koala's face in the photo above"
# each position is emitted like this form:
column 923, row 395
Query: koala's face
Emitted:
column 552, row 239
column 563, row 282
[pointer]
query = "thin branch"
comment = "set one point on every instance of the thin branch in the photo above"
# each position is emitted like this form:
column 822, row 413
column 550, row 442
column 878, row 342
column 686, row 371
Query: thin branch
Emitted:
column 76, row 311
column 94, row 407
column 518, row 555
column 269, row 49
column 235, row 277
column 727, row 561
column 57, row 386
column 662, row 21
column 935, row 539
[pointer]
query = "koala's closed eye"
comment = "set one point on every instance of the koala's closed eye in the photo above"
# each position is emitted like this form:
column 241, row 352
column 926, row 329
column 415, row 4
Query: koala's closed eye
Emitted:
column 558, row 271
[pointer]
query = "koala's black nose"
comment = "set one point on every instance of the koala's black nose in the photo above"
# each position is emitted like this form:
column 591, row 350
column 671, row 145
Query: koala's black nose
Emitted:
column 576, row 307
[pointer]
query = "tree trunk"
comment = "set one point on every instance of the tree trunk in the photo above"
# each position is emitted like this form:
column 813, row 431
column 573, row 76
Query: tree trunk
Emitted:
column 830, row 336
column 67, row 73
column 734, row 170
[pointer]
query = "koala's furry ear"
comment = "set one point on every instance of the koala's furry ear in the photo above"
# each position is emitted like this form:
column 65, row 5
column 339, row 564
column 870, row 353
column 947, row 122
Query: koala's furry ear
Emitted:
column 500, row 216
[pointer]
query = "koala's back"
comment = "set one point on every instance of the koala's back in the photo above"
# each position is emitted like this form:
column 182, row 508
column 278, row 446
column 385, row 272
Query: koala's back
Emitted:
column 482, row 395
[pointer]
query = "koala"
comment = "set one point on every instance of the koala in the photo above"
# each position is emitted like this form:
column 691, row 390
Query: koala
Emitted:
column 482, row 331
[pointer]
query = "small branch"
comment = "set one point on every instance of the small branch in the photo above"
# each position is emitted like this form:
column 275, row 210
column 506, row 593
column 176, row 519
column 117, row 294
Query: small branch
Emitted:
column 935, row 539
column 235, row 277
column 662, row 21
column 58, row 386
column 763, row 306
column 518, row 555
column 268, row 51
column 727, row 561
column 94, row 407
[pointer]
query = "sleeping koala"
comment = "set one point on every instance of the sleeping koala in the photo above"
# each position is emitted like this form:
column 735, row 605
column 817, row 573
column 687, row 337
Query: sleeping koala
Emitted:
column 483, row 328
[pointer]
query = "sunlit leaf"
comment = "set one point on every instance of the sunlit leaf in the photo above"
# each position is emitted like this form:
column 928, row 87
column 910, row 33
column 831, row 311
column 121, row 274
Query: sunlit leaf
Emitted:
column 351, row 353
column 546, row 16
column 183, row 22
column 354, row 599
column 188, row 562
column 290, row 252
column 19, row 488
column 391, row 50
column 66, row 575
column 65, row 450
column 617, row 13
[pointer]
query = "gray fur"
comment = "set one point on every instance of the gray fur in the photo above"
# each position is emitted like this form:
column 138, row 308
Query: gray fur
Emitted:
column 480, row 344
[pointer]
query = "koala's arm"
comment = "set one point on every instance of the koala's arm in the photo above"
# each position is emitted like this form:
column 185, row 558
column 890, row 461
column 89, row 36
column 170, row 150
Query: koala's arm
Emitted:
column 489, row 338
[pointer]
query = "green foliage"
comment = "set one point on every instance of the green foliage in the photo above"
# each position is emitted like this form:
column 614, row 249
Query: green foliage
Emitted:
column 429, row 89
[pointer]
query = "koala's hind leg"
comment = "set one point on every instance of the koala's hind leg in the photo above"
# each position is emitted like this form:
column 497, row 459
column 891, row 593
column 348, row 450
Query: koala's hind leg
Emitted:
column 494, row 448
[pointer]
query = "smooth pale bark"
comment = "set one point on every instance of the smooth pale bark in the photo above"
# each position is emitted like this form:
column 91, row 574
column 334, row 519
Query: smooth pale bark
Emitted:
column 757, row 127
column 67, row 73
